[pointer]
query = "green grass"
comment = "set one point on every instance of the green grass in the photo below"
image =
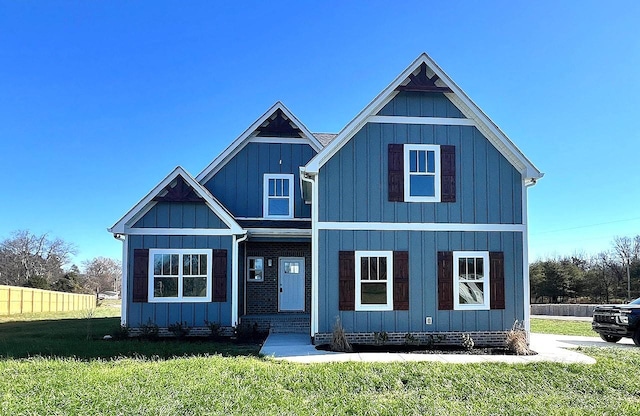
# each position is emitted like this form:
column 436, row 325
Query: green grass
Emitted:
column 562, row 327
column 184, row 379
column 251, row 386
column 79, row 335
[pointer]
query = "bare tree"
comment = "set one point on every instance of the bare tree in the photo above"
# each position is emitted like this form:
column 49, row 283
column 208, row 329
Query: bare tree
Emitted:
column 28, row 259
column 102, row 273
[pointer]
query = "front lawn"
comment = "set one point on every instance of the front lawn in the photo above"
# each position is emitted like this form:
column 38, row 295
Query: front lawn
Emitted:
column 255, row 386
column 79, row 335
column 562, row 327
column 73, row 375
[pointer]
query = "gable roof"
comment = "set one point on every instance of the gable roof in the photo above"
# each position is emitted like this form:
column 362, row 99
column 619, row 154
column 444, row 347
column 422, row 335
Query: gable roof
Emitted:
column 411, row 76
column 187, row 187
column 266, row 127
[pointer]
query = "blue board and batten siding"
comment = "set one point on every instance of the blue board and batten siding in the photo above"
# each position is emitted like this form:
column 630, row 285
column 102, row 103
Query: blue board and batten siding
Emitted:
column 180, row 215
column 354, row 184
column 239, row 184
column 165, row 314
column 420, row 104
column 353, row 187
column 423, row 248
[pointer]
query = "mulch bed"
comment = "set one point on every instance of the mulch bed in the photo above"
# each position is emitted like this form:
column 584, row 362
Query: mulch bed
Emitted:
column 415, row 349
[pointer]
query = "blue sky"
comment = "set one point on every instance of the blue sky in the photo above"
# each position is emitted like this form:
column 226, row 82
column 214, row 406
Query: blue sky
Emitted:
column 101, row 100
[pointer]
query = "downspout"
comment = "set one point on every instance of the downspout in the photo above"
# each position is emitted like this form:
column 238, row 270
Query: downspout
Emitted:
column 313, row 180
column 124, row 281
column 525, row 258
column 234, row 278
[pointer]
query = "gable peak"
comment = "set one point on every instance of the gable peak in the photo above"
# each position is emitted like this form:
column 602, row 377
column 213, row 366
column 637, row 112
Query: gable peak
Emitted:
column 279, row 125
column 178, row 191
column 422, row 79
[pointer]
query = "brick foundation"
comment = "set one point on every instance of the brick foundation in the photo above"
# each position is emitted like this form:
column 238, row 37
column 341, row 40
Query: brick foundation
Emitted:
column 452, row 338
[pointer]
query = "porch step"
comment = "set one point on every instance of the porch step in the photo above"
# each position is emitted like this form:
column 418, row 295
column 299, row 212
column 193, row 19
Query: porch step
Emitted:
column 283, row 323
column 290, row 327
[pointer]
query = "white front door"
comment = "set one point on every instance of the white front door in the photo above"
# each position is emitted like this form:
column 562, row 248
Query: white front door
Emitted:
column 291, row 284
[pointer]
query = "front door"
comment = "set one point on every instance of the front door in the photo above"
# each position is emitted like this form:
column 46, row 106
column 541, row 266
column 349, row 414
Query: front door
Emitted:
column 291, row 284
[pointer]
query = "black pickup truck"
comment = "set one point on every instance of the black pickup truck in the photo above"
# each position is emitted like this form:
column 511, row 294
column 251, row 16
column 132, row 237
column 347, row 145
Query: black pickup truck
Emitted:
column 613, row 322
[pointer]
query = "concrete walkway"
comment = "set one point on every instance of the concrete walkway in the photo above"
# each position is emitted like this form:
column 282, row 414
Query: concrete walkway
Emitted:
column 550, row 348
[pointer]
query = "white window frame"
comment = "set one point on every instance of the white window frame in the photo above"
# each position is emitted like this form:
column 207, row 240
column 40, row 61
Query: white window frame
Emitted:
column 249, row 268
column 456, row 280
column 266, row 197
column 407, row 174
column 376, row 307
column 180, row 252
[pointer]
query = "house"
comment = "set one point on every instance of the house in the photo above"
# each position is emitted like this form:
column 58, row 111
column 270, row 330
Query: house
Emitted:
column 410, row 222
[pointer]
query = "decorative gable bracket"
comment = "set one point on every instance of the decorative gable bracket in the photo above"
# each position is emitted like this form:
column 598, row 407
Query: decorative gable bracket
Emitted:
column 180, row 192
column 422, row 82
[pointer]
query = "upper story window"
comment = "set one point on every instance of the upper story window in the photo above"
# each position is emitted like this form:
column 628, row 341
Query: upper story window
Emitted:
column 470, row 280
column 180, row 275
column 278, row 196
column 421, row 173
column 374, row 280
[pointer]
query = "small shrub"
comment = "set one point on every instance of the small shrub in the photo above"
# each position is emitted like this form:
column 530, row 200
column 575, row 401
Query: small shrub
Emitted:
column 410, row 339
column 149, row 330
column 179, row 329
column 89, row 314
column 122, row 332
column 517, row 340
column 380, row 338
column 215, row 329
column 248, row 332
column 339, row 342
column 467, row 342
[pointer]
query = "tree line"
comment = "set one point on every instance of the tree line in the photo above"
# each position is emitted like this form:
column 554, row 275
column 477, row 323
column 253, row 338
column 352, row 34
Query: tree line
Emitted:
column 600, row 278
column 40, row 261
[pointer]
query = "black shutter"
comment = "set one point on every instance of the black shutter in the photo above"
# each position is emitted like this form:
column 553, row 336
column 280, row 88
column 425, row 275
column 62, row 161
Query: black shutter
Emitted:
column 445, row 280
column 396, row 173
column 219, row 277
column 140, row 275
column 347, row 281
column 401, row 280
column 448, row 173
column 496, row 279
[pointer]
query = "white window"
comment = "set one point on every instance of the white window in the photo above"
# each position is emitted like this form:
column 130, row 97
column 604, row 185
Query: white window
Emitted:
column 278, row 196
column 180, row 275
column 470, row 280
column 255, row 269
column 374, row 281
column 421, row 173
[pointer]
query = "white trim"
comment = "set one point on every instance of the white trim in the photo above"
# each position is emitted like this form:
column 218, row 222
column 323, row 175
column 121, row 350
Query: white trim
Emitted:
column 180, row 298
column 484, row 255
column 419, row 226
column 388, row 306
column 235, row 276
column 275, row 232
column 315, row 258
column 238, row 144
column 432, row 121
column 458, row 98
column 266, row 197
column 124, row 293
column 278, row 140
column 179, row 231
column 271, row 219
column 407, row 148
column 146, row 203
column 525, row 262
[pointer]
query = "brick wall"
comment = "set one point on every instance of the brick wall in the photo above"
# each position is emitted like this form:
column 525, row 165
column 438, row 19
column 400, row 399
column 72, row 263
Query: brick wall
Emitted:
column 454, row 338
column 262, row 297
